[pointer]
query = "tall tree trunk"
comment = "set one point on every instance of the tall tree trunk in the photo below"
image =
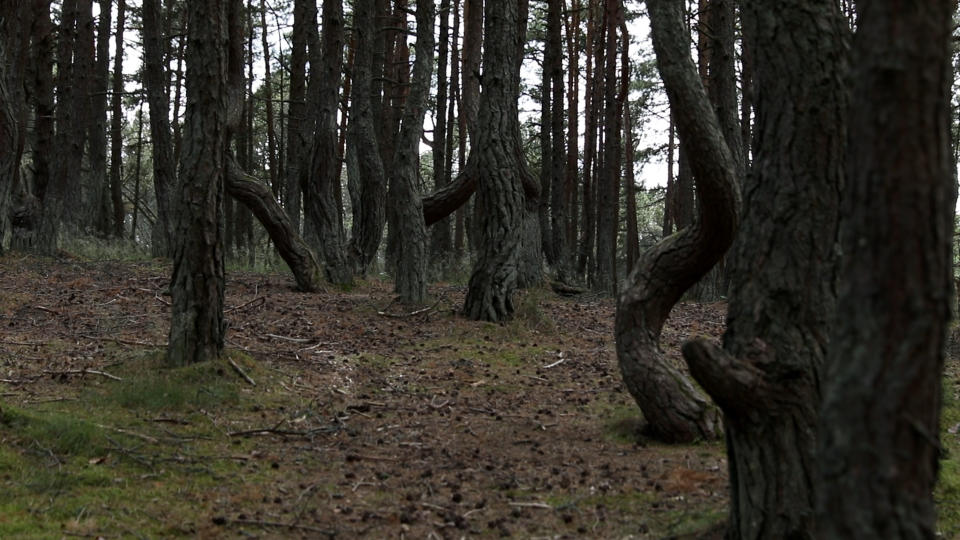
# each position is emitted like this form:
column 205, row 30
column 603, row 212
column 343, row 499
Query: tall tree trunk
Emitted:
column 500, row 195
column 879, row 446
column 405, row 205
column 573, row 132
column 472, row 43
column 546, row 152
column 155, row 82
column 98, row 202
column 136, row 174
column 116, row 126
column 178, row 88
column 197, row 325
column 558, row 173
column 370, row 188
column 322, row 179
column 674, row 408
column 608, row 184
column 272, row 163
column 296, row 135
column 441, row 242
column 767, row 379
column 632, row 247
column 590, row 98
column 12, row 25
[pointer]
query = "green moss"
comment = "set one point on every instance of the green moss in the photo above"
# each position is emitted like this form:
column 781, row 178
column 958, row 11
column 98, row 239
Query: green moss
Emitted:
column 54, row 432
column 198, row 386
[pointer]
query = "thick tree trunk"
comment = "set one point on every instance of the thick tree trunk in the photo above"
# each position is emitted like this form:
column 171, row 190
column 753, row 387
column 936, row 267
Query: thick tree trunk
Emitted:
column 197, row 325
column 11, row 143
column 116, row 126
column 768, row 380
column 406, row 207
column 294, row 251
column 368, row 192
column 500, row 195
column 879, row 446
column 674, row 408
column 155, row 83
column 322, row 178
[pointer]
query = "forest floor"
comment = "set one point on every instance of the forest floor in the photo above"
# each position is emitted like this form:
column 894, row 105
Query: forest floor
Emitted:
column 340, row 415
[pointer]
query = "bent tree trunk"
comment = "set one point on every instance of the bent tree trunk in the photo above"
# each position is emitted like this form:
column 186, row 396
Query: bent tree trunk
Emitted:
column 197, row 326
column 767, row 379
column 258, row 198
column 675, row 410
column 500, row 197
column 406, row 210
column 879, row 448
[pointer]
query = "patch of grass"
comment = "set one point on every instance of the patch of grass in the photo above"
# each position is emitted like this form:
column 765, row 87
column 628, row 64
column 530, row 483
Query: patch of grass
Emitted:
column 54, row 432
column 529, row 315
column 947, row 493
column 690, row 523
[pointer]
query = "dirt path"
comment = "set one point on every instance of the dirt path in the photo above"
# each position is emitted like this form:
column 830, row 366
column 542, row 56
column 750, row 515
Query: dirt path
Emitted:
column 367, row 419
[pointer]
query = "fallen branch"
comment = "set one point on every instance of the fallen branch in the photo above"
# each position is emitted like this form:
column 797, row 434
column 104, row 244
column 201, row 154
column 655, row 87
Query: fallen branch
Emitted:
column 545, row 506
column 147, row 438
column 555, row 364
column 83, row 372
column 241, row 372
column 48, row 310
column 411, row 314
column 262, row 300
column 125, row 341
column 293, row 339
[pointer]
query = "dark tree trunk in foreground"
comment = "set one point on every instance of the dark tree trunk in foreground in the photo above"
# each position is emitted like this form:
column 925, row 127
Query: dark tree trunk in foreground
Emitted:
column 879, row 446
column 767, row 379
column 197, row 325
column 500, row 196
column 674, row 408
column 368, row 191
column 155, row 83
column 406, row 207
column 11, row 140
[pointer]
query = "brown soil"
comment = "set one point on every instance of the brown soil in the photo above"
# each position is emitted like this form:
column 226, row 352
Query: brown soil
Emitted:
column 368, row 419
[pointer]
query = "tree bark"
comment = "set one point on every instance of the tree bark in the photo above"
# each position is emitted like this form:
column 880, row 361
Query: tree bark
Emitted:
column 675, row 409
column 500, row 196
column 370, row 188
column 441, row 241
column 558, row 172
column 272, row 162
column 879, row 446
column 155, row 83
column 197, row 325
column 296, row 111
column 608, row 184
column 98, row 202
column 11, row 140
column 782, row 298
column 406, row 206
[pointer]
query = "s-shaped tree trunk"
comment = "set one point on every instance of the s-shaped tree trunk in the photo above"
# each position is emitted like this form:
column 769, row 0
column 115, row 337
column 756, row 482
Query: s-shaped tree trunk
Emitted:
column 675, row 410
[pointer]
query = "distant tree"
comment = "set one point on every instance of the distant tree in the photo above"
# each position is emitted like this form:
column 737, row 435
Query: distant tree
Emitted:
column 879, row 446
column 406, row 208
column 197, row 325
column 98, row 203
column 116, row 125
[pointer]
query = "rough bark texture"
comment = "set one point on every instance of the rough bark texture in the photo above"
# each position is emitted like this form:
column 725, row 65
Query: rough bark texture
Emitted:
column 322, row 180
column 155, row 83
column 558, row 172
column 197, row 325
column 407, row 213
column 11, row 143
column 98, row 200
column 674, row 408
column 272, row 162
column 116, row 126
column 608, row 182
column 441, row 240
column 782, row 294
column 472, row 43
column 296, row 136
column 294, row 251
column 573, row 132
column 500, row 195
column 368, row 190
column 879, row 446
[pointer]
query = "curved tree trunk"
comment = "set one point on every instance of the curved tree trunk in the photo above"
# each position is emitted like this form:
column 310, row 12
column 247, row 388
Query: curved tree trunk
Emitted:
column 500, row 196
column 782, row 296
column 674, row 408
column 879, row 448
column 369, row 188
column 197, row 326
column 259, row 199
column 407, row 213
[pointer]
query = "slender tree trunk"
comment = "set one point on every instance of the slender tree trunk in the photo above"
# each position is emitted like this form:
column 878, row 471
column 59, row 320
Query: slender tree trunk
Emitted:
column 178, row 90
column 674, row 408
column 632, row 247
column 608, row 183
column 879, row 447
column 669, row 193
column 407, row 211
column 370, row 188
column 197, row 325
column 500, row 193
column 268, row 98
column 546, row 152
column 472, row 42
column 136, row 174
column 768, row 378
column 573, row 132
column 558, row 174
column 155, row 82
column 588, row 221
column 11, row 140
column 441, row 243
column 116, row 126
column 296, row 135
